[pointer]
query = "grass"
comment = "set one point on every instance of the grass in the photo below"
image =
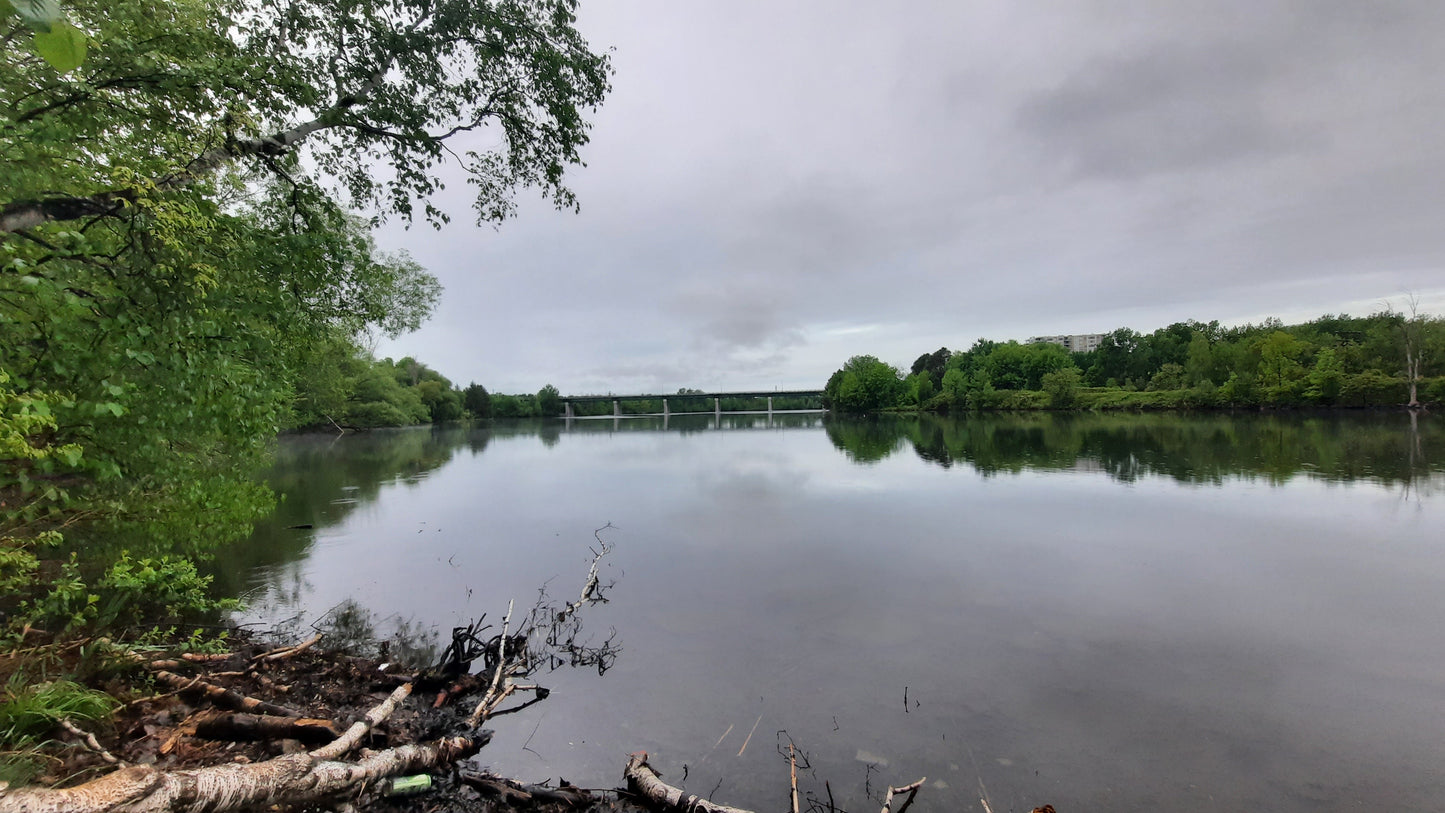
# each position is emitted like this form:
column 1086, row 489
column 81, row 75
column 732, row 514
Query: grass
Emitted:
column 28, row 714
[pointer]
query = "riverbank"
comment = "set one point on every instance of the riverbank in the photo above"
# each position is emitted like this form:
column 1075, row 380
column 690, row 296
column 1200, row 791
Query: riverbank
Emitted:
column 241, row 721
column 1112, row 399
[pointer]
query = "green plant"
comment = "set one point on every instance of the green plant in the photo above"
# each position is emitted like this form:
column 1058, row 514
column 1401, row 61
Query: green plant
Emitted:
column 29, row 713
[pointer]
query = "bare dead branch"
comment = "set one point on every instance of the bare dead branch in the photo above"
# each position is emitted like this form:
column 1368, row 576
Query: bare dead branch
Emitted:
column 92, row 743
column 643, row 780
column 359, row 729
column 911, row 790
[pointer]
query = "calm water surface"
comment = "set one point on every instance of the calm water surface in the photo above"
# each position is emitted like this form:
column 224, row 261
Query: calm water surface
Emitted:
column 1100, row 612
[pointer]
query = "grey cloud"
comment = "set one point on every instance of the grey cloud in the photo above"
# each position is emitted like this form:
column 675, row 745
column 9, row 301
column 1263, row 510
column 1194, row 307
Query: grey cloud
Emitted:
column 768, row 181
column 1169, row 109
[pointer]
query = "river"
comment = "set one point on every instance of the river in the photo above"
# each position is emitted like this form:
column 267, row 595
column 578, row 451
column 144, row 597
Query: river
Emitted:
column 1102, row 612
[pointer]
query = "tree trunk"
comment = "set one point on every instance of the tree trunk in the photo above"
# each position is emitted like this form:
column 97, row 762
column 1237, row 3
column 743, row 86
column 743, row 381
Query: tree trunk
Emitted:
column 285, row 780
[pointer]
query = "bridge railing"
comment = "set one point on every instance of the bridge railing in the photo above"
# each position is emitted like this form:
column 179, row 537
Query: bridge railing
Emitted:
column 691, row 403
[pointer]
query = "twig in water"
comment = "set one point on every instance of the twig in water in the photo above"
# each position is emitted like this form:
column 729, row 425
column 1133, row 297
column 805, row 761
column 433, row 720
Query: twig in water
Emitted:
column 911, row 790
column 750, row 735
column 533, row 734
column 716, row 744
column 982, row 790
column 793, row 773
column 489, row 701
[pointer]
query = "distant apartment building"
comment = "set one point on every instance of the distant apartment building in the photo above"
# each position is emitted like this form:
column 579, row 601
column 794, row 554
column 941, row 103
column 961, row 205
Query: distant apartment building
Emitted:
column 1075, row 343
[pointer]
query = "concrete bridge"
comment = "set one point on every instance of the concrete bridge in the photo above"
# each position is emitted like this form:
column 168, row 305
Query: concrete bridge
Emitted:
column 569, row 401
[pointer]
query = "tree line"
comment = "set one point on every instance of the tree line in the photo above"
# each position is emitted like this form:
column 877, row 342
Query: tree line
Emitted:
column 1388, row 358
column 343, row 387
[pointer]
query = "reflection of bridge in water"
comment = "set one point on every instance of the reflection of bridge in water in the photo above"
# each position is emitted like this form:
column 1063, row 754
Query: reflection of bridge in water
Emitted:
column 570, row 402
column 689, row 422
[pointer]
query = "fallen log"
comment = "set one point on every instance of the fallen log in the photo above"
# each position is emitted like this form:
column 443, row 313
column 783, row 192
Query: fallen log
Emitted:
column 642, row 780
column 516, row 794
column 221, row 696
column 290, row 779
column 241, row 727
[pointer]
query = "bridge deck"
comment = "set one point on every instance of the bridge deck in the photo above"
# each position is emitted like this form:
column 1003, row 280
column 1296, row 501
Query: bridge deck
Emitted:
column 584, row 399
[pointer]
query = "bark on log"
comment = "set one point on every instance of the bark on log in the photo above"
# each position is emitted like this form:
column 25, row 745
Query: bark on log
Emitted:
column 221, row 696
column 285, row 780
column 237, row 726
column 514, row 793
column 642, row 780
column 359, row 729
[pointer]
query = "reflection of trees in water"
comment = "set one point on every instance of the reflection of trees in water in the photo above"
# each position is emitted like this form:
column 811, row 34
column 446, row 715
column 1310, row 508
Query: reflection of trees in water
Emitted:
column 323, row 479
column 352, row 628
column 1381, row 447
column 870, row 439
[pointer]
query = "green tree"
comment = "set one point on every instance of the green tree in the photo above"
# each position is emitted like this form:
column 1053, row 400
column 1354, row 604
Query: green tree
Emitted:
column 1062, row 387
column 1199, row 363
column 476, row 401
column 185, row 88
column 919, row 387
column 864, row 384
column 1326, row 378
column 549, row 402
column 1170, row 377
column 1279, row 368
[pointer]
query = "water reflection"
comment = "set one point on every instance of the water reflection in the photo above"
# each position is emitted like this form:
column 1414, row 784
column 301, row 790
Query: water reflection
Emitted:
column 1386, row 448
column 1252, row 623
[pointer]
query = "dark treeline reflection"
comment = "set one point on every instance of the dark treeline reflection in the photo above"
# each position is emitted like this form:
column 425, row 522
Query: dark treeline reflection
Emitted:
column 1387, row 448
column 322, row 479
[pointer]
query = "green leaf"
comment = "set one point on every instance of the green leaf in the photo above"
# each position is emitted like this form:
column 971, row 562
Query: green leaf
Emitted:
column 39, row 15
column 63, row 46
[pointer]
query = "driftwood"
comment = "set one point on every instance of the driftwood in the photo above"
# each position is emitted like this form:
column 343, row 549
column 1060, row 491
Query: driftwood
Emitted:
column 514, row 793
column 222, row 696
column 285, row 652
column 911, row 790
column 373, row 718
column 642, row 780
column 242, row 727
column 506, row 667
column 590, row 587
column 289, row 779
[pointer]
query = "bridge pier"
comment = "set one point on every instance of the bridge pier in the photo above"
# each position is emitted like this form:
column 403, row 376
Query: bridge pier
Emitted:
column 770, row 406
column 717, row 407
column 616, row 408
column 567, row 411
column 665, row 411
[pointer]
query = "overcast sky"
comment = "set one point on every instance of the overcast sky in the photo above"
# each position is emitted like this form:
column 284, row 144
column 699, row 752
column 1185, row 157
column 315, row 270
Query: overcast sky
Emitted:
column 774, row 187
